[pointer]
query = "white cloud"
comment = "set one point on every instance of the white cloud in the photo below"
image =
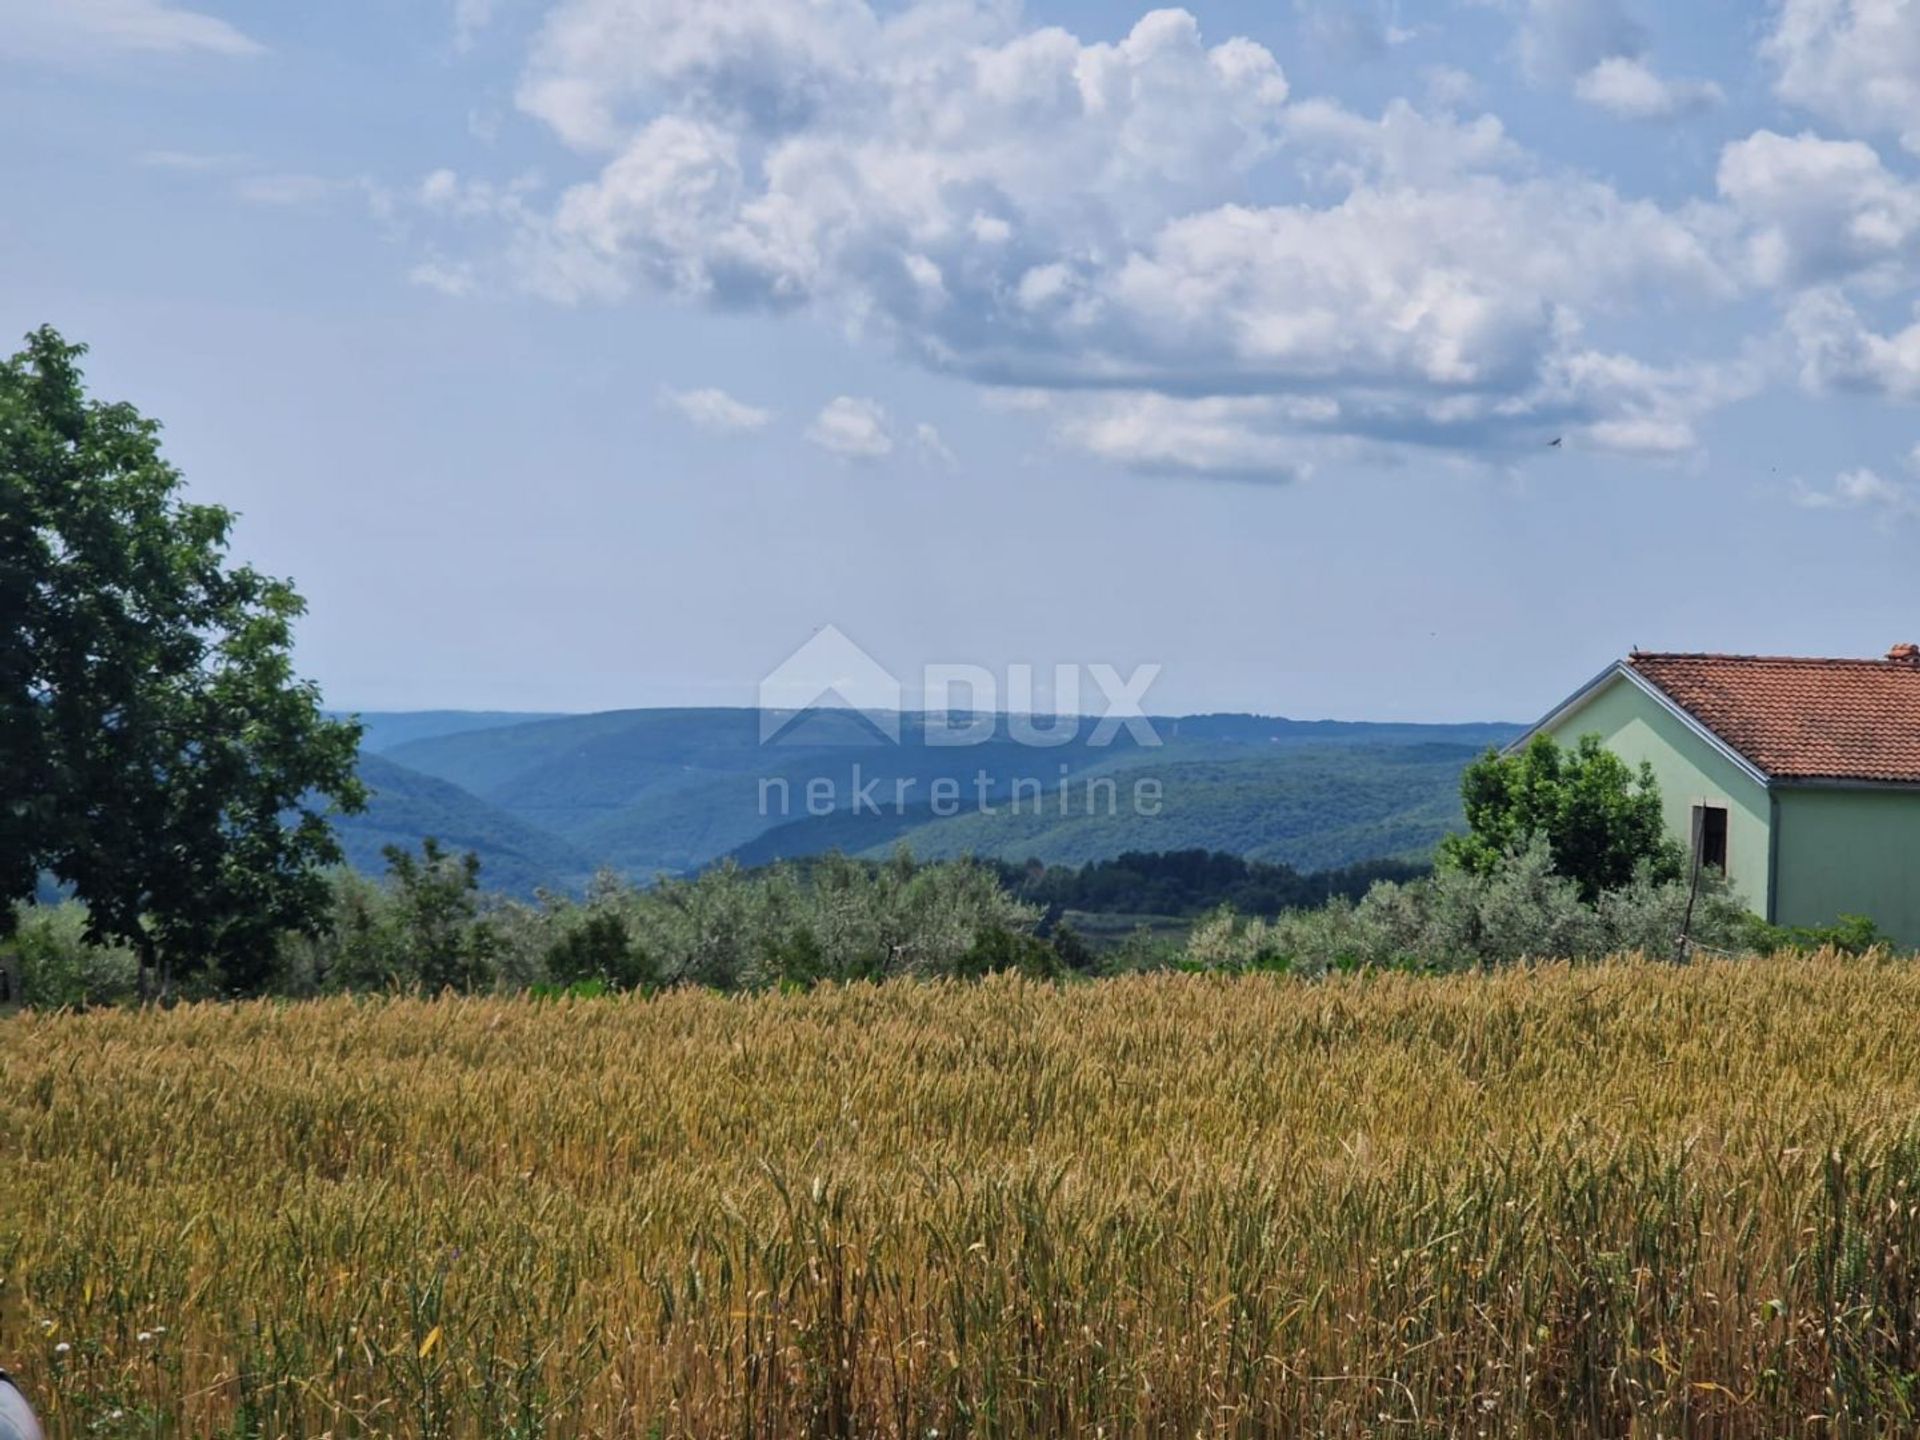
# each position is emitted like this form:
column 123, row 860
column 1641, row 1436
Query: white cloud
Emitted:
column 716, row 411
column 70, row 30
column 1628, row 87
column 1561, row 39
column 1819, row 209
column 933, row 446
column 1338, row 147
column 1428, row 280
column 1602, row 51
column 1411, row 296
column 760, row 65
column 1861, row 489
column 1219, row 437
column 1840, row 351
column 449, row 278
column 853, row 428
column 1352, row 30
column 445, row 193
column 1449, row 87
column 470, row 19
column 1853, row 62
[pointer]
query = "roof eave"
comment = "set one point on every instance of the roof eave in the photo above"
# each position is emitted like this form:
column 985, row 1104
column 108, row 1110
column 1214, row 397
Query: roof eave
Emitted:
column 1841, row 782
column 1622, row 670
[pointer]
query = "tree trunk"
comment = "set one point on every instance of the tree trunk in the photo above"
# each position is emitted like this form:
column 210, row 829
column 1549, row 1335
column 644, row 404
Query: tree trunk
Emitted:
column 146, row 967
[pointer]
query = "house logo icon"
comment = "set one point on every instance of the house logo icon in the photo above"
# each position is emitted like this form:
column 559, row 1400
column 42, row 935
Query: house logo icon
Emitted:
column 829, row 672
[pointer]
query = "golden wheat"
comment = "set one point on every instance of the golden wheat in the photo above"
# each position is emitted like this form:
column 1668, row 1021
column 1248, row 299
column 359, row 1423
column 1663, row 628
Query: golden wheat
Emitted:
column 1622, row 1199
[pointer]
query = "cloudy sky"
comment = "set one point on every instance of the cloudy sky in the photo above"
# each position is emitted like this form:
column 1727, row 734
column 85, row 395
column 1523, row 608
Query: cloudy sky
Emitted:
column 573, row 354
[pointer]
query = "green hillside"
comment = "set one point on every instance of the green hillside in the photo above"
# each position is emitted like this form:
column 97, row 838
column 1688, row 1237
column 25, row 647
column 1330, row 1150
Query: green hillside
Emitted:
column 405, row 806
column 1312, row 808
column 673, row 790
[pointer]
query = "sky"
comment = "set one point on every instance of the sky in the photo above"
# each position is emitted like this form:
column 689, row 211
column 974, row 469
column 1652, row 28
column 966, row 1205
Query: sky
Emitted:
column 583, row 354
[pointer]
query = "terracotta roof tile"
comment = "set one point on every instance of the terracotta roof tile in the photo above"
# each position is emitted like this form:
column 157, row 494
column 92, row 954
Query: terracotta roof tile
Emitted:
column 1803, row 719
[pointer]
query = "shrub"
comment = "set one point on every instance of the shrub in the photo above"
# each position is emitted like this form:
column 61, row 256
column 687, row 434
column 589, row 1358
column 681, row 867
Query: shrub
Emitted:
column 47, row 963
column 1523, row 909
column 1850, row 934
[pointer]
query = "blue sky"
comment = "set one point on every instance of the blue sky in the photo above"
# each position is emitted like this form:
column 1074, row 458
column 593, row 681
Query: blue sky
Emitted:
column 574, row 354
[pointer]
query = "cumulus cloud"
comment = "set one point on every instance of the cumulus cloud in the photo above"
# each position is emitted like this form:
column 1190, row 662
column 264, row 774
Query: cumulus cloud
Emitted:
column 714, row 410
column 1599, row 48
column 1840, row 351
column 1819, row 209
column 1861, row 489
column 1628, row 87
column 1222, row 437
column 67, row 30
column 1853, row 62
column 1561, row 39
column 852, row 428
column 1426, row 283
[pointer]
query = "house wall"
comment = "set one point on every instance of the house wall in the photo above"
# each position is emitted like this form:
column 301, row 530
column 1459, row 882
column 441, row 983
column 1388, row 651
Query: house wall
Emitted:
column 1691, row 772
column 1850, row 852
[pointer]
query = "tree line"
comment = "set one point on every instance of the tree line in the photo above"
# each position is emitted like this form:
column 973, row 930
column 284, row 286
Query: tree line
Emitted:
column 1186, row 883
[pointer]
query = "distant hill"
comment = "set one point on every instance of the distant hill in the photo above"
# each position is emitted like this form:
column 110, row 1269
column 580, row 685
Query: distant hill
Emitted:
column 405, row 806
column 381, row 730
column 1313, row 808
column 651, row 791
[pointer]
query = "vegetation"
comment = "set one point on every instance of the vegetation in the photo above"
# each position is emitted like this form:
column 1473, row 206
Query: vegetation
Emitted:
column 157, row 754
column 1849, row 935
column 1607, row 1200
column 429, row 927
column 1193, row 882
column 1600, row 817
column 1457, row 919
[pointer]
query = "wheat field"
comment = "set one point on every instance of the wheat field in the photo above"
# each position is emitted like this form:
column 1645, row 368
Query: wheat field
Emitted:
column 1624, row 1199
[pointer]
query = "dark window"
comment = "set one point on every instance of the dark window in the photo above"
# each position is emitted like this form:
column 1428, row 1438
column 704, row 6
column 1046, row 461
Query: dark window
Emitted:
column 1710, row 837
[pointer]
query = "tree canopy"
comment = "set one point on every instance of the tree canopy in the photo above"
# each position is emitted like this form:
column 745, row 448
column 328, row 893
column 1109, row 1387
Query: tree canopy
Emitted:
column 158, row 754
column 1600, row 817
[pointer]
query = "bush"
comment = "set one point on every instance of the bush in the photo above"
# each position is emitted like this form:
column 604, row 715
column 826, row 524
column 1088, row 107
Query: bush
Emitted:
column 47, row 963
column 1523, row 909
column 831, row 919
column 1850, row 934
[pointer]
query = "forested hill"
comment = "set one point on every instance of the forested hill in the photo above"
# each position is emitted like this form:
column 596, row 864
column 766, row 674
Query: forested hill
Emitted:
column 546, row 799
column 405, row 806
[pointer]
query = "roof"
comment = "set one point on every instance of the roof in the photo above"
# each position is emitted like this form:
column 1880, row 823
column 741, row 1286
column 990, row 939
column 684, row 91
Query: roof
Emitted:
column 1802, row 719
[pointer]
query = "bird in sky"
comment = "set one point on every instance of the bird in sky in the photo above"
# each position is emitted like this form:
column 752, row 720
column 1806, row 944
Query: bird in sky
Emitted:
column 1554, row 443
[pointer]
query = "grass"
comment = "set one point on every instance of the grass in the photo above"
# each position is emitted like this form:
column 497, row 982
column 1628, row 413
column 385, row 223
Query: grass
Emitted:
column 1614, row 1200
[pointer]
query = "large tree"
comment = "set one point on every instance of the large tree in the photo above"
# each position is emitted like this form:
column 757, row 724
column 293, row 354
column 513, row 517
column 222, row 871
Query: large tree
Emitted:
column 1599, row 816
column 157, row 752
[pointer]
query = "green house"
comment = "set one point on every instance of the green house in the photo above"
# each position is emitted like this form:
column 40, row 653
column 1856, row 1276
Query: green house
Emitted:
column 1799, row 778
